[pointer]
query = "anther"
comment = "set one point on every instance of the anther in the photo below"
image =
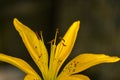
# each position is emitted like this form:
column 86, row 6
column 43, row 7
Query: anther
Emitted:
column 64, row 44
column 52, row 41
column 61, row 39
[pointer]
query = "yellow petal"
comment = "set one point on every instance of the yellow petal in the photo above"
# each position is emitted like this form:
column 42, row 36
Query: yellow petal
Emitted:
column 66, row 44
column 75, row 77
column 85, row 61
column 34, row 45
column 31, row 77
column 19, row 63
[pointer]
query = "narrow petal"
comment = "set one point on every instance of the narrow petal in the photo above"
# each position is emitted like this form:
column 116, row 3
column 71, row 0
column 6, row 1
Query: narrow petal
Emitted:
column 75, row 77
column 66, row 44
column 19, row 63
column 85, row 61
column 34, row 45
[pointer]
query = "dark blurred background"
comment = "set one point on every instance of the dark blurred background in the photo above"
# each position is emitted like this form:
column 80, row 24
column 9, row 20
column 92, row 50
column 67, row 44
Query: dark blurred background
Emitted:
column 99, row 33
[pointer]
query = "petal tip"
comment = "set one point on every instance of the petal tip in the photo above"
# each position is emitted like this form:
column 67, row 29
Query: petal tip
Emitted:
column 76, row 25
column 17, row 24
column 77, row 22
column 15, row 20
column 117, row 59
column 113, row 59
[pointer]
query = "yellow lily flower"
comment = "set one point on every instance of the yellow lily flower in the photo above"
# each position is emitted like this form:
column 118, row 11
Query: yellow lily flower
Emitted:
column 58, row 55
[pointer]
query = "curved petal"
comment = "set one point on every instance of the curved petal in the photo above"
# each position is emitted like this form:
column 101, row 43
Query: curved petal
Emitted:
column 65, row 46
column 34, row 45
column 74, row 77
column 31, row 77
column 85, row 61
column 19, row 63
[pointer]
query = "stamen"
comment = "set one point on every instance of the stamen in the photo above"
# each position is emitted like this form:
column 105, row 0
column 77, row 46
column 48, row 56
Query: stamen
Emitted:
column 61, row 39
column 57, row 31
column 52, row 41
column 64, row 44
column 41, row 35
column 37, row 35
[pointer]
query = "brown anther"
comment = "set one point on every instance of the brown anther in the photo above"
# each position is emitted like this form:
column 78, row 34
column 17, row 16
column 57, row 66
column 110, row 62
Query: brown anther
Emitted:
column 61, row 39
column 64, row 44
column 52, row 41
